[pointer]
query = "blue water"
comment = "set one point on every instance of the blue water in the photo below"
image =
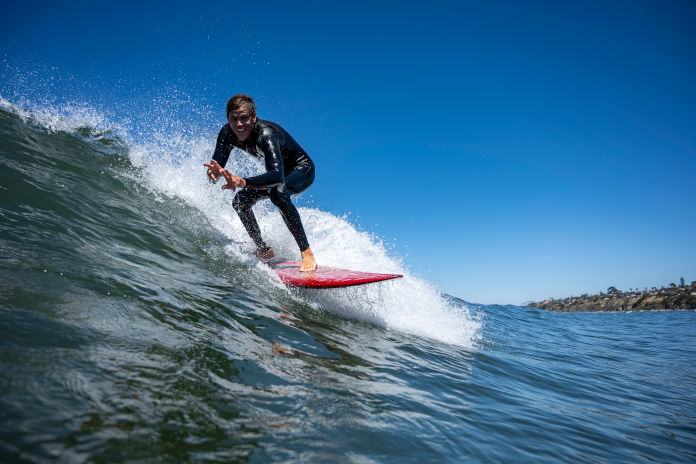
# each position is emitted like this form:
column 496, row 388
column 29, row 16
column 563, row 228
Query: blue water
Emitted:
column 135, row 328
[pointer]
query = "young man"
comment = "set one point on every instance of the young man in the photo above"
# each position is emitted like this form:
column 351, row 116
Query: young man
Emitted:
column 290, row 171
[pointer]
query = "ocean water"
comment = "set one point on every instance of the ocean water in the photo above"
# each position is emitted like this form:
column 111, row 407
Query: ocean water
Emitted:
column 134, row 327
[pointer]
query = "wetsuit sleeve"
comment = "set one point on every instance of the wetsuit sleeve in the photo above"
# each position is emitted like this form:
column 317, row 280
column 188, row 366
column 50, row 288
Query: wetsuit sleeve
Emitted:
column 269, row 143
column 222, row 147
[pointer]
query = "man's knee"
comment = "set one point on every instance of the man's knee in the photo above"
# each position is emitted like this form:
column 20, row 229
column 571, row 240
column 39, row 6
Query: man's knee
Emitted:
column 280, row 197
column 241, row 203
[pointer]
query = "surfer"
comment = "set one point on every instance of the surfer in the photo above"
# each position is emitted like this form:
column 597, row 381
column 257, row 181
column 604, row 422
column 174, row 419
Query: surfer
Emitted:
column 289, row 171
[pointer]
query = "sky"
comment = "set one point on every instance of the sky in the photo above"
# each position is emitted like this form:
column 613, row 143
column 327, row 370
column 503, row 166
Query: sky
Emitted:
column 507, row 151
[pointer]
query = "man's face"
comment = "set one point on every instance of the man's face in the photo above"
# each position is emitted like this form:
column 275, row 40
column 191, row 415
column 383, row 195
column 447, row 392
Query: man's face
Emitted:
column 241, row 123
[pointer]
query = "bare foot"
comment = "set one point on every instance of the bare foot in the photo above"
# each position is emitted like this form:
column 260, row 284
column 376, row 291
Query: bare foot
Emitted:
column 308, row 262
column 264, row 254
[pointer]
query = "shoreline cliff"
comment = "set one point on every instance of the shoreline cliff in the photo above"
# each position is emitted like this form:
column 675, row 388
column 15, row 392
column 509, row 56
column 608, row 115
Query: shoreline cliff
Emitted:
column 672, row 298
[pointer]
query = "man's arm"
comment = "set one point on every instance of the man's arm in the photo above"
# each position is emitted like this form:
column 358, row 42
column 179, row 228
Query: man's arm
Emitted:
column 270, row 146
column 221, row 154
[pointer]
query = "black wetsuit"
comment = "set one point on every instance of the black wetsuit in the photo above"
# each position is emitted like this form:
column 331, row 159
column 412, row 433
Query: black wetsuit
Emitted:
column 290, row 171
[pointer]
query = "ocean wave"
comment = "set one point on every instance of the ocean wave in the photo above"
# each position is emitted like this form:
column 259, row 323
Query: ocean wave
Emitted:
column 168, row 168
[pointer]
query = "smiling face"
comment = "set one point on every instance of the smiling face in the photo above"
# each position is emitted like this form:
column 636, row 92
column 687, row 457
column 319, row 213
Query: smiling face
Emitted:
column 242, row 122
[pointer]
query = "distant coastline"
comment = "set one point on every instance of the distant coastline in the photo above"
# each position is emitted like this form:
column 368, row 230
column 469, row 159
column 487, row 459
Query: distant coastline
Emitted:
column 672, row 298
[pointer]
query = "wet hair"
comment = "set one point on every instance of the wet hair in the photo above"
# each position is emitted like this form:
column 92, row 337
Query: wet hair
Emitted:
column 238, row 101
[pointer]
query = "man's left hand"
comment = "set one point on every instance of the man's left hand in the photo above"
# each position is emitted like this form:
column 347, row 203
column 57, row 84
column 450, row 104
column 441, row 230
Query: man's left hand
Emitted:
column 233, row 182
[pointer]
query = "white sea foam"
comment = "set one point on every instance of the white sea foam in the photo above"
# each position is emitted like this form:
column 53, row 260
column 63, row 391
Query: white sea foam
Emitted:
column 409, row 304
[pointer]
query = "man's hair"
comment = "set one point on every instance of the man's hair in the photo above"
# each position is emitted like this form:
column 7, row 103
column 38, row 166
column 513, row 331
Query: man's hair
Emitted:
column 238, row 102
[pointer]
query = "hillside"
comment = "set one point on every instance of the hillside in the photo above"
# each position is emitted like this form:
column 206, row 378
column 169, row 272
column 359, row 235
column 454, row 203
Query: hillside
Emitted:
column 672, row 298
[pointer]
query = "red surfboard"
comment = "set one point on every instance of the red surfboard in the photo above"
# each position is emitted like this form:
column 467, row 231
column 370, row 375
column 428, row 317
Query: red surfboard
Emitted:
column 323, row 276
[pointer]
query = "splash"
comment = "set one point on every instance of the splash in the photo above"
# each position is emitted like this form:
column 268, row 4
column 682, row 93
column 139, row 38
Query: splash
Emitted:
column 173, row 166
column 70, row 118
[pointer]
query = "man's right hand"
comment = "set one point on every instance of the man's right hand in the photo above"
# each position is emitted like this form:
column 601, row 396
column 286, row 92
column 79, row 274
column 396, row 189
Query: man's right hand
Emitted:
column 214, row 170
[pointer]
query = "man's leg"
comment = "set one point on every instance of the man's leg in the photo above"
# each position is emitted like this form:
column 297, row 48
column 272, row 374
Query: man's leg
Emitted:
column 242, row 203
column 296, row 182
column 281, row 198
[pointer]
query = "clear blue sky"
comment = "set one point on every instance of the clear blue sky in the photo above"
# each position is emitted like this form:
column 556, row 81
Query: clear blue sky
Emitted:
column 515, row 150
